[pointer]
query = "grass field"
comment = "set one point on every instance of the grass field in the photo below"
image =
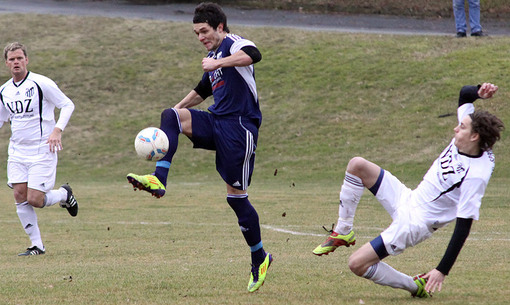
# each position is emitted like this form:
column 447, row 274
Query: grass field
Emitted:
column 415, row 8
column 325, row 98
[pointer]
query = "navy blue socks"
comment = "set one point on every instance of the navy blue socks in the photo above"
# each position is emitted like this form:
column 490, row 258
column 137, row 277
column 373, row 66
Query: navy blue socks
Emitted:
column 171, row 125
column 248, row 220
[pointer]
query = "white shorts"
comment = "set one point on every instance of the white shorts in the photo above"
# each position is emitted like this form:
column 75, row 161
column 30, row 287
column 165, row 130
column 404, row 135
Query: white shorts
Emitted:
column 407, row 228
column 38, row 171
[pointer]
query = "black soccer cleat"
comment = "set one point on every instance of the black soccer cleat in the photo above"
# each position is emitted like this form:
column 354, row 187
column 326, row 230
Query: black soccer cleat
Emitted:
column 71, row 204
column 32, row 251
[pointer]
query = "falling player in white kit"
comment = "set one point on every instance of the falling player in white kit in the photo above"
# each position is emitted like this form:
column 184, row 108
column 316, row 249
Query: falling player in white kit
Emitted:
column 28, row 102
column 452, row 189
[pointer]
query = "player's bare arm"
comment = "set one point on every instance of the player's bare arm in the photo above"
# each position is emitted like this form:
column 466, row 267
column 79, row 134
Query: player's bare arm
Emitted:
column 238, row 59
column 191, row 100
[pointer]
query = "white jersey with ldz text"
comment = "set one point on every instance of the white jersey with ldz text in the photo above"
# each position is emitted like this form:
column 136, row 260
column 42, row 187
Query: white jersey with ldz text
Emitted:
column 454, row 185
column 30, row 106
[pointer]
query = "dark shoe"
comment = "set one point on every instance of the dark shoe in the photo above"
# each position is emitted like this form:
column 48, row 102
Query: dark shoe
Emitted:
column 32, row 251
column 71, row 203
column 461, row 34
column 479, row 34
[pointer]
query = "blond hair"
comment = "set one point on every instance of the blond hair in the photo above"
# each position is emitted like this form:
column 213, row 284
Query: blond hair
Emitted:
column 13, row 46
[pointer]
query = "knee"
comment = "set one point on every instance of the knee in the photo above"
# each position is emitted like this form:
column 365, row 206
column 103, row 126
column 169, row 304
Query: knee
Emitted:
column 458, row 4
column 357, row 266
column 36, row 199
column 36, row 203
column 356, row 165
column 20, row 196
column 168, row 114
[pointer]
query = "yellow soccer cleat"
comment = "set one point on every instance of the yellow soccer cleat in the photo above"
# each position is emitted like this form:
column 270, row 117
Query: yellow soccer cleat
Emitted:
column 149, row 183
column 258, row 274
column 334, row 241
column 420, row 282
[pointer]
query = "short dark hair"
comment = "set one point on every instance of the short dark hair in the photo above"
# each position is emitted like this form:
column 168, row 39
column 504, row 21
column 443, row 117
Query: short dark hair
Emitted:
column 488, row 126
column 212, row 14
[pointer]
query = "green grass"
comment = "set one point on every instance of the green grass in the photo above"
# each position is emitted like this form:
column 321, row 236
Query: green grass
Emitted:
column 325, row 97
column 421, row 9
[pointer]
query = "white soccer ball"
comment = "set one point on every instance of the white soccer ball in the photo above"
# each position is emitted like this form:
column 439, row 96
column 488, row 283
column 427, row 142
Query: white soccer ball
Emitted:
column 151, row 144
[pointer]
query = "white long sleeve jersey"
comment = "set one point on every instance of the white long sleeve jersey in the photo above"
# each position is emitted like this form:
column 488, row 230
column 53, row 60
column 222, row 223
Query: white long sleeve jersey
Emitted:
column 454, row 185
column 30, row 106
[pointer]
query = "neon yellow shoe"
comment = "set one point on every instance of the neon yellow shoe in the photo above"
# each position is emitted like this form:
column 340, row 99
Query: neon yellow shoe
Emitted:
column 421, row 282
column 334, row 241
column 258, row 274
column 149, row 183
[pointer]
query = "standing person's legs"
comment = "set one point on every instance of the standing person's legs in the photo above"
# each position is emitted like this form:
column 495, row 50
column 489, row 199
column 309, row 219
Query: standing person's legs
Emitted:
column 459, row 14
column 474, row 16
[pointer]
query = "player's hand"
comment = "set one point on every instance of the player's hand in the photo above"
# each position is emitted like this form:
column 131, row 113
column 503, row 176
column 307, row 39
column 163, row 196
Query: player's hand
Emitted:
column 435, row 280
column 209, row 64
column 55, row 140
column 487, row 90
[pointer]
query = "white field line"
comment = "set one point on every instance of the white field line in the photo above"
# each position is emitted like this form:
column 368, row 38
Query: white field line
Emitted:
column 287, row 230
column 268, row 227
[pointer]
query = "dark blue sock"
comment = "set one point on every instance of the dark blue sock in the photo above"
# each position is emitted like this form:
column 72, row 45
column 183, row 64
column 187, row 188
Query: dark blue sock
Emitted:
column 171, row 125
column 248, row 220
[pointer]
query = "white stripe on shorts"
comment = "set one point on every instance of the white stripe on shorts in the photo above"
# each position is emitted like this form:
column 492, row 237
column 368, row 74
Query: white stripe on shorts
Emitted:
column 247, row 156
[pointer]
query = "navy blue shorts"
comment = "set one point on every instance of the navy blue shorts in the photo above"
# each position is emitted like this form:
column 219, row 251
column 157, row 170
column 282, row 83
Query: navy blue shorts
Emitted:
column 233, row 138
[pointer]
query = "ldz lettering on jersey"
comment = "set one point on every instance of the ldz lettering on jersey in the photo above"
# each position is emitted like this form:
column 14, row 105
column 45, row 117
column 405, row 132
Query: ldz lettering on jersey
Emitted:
column 17, row 107
column 445, row 162
column 447, row 166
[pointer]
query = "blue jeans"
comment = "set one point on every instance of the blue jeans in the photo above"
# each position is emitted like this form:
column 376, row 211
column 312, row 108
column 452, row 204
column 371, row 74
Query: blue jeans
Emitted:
column 460, row 15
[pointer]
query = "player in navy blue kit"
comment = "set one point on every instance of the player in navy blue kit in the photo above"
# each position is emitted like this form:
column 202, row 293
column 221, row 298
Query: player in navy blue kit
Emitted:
column 230, row 127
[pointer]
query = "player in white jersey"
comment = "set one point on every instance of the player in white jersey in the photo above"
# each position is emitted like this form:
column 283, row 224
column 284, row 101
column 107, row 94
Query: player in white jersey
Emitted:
column 452, row 189
column 28, row 102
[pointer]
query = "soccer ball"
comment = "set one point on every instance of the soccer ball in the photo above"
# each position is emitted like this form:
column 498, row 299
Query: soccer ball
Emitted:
column 151, row 144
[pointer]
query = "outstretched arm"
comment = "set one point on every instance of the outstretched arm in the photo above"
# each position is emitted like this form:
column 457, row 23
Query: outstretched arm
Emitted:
column 436, row 276
column 469, row 94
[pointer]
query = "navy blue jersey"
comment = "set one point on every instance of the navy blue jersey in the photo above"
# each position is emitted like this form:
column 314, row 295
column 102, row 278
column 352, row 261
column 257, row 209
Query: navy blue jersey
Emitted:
column 233, row 88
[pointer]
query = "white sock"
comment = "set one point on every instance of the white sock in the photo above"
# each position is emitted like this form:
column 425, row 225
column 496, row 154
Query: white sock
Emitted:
column 28, row 218
column 383, row 274
column 350, row 195
column 55, row 196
